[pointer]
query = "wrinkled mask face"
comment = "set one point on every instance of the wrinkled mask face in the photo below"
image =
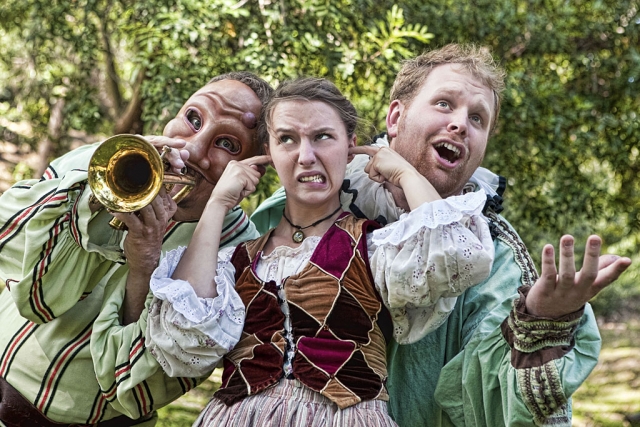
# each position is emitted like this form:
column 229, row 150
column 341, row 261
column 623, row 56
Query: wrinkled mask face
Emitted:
column 219, row 123
column 309, row 148
column 444, row 130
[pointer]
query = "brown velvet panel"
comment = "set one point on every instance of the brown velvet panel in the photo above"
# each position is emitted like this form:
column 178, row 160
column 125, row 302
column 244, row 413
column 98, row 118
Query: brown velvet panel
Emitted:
column 302, row 323
column 360, row 378
column 247, row 287
column 264, row 316
column 375, row 353
column 261, row 371
column 340, row 394
column 240, row 259
column 313, row 292
column 348, row 320
column 308, row 374
column 244, row 349
column 358, row 284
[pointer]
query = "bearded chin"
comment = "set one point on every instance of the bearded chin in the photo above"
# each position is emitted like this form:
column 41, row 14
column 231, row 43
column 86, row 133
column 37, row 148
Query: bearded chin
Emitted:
column 449, row 185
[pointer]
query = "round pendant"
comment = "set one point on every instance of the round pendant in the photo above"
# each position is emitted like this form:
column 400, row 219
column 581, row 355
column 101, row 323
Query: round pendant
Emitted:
column 298, row 236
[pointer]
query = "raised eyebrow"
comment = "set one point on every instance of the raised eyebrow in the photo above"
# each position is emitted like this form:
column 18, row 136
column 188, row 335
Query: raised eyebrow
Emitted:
column 445, row 92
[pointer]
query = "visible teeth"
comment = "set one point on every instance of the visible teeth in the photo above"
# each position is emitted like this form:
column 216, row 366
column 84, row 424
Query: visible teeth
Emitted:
column 315, row 178
column 450, row 147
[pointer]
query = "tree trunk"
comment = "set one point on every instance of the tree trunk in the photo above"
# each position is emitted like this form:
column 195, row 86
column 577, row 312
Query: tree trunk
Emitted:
column 130, row 121
column 54, row 130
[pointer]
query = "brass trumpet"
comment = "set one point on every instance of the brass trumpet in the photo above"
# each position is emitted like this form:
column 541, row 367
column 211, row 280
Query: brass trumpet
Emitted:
column 126, row 173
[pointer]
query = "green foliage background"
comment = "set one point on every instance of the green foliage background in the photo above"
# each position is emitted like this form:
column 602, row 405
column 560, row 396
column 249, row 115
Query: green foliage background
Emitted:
column 567, row 139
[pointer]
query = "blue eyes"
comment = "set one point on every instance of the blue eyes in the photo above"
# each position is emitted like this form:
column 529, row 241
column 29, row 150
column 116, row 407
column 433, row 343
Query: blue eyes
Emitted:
column 475, row 117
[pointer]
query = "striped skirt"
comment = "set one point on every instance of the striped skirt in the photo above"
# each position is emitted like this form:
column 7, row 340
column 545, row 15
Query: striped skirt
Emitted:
column 289, row 404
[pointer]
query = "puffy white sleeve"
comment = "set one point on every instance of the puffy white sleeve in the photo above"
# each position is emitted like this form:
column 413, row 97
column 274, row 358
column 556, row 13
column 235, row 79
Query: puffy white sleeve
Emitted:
column 189, row 335
column 422, row 262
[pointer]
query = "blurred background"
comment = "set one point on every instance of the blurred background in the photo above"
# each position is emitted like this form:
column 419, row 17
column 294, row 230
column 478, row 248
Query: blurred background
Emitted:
column 568, row 138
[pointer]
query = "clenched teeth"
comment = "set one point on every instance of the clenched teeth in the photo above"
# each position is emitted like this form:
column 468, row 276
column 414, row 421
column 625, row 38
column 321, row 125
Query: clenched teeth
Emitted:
column 314, row 178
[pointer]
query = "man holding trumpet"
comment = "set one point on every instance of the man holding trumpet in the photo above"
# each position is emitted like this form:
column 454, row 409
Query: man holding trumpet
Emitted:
column 73, row 311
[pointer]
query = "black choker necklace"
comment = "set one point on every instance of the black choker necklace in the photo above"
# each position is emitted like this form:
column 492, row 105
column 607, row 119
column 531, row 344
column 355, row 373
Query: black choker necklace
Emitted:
column 298, row 235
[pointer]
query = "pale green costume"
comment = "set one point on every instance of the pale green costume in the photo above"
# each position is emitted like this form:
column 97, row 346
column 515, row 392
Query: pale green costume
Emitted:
column 489, row 364
column 62, row 345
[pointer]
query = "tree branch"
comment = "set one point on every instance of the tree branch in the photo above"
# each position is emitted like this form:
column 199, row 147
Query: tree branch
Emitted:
column 54, row 131
column 130, row 121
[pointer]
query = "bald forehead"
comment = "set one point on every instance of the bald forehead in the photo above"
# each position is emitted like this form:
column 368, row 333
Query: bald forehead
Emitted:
column 232, row 97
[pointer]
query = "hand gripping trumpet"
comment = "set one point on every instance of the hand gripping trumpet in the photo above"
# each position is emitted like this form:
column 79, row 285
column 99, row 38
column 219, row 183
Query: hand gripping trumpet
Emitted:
column 126, row 173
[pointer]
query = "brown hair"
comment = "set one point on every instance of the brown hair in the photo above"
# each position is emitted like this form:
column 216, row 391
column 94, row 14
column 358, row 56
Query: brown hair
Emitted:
column 310, row 89
column 478, row 61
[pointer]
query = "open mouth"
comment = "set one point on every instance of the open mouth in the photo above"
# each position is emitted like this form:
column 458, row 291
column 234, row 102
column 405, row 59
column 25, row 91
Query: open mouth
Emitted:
column 448, row 152
column 313, row 178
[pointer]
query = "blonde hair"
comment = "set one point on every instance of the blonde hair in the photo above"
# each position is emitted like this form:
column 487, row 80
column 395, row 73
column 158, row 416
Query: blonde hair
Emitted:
column 477, row 61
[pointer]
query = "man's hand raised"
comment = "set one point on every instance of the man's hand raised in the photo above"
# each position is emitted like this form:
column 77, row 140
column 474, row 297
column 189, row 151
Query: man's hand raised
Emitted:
column 559, row 292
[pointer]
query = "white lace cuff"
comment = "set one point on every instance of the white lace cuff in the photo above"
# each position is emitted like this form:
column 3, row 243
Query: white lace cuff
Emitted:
column 186, row 334
column 432, row 254
column 430, row 215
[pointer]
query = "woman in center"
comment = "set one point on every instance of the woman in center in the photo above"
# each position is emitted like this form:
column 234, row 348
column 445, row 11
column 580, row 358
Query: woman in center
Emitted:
column 322, row 292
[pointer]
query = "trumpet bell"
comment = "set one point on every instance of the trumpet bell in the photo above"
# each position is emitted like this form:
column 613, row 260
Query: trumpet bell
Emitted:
column 125, row 173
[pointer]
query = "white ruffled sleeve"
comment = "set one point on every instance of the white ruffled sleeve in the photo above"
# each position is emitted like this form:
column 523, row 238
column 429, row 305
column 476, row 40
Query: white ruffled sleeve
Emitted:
column 422, row 262
column 189, row 335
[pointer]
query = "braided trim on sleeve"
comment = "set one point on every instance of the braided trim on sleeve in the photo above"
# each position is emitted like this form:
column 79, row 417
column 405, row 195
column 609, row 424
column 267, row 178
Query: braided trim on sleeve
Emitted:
column 532, row 333
column 543, row 395
column 501, row 230
column 535, row 341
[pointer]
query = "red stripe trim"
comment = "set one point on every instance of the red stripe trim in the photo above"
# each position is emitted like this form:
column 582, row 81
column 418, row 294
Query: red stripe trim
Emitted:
column 54, row 373
column 122, row 371
column 171, row 225
column 132, row 353
column 188, row 384
column 229, row 233
column 112, row 393
column 99, row 410
column 28, row 210
column 136, row 348
column 14, row 345
column 75, row 233
column 41, row 269
column 144, row 400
